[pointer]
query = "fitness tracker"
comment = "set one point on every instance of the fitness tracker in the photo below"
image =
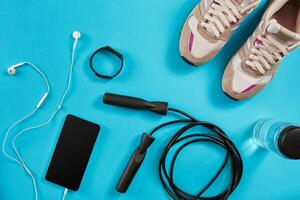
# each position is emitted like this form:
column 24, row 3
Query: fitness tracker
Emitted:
column 110, row 50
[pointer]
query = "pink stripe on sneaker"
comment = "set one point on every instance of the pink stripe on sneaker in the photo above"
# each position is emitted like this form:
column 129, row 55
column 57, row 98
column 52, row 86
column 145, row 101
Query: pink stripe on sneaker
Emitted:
column 249, row 89
column 191, row 41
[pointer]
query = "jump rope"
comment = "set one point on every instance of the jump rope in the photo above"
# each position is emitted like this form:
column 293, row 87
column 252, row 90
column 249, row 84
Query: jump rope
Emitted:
column 181, row 139
column 19, row 159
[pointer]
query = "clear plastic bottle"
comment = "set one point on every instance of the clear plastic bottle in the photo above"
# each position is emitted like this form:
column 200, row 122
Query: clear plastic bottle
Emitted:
column 282, row 138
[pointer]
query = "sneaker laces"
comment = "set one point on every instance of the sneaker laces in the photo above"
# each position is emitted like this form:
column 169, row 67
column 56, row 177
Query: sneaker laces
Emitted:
column 221, row 15
column 266, row 52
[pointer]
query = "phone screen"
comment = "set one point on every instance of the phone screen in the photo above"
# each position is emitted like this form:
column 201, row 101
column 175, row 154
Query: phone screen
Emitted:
column 72, row 152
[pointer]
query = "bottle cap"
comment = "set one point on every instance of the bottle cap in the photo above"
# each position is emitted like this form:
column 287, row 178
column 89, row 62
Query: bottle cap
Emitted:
column 289, row 142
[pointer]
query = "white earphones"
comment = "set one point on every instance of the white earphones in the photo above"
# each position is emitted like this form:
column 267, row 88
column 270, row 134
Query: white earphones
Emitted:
column 18, row 158
column 12, row 69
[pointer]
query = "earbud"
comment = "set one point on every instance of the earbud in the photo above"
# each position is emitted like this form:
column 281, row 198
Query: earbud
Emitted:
column 76, row 35
column 12, row 69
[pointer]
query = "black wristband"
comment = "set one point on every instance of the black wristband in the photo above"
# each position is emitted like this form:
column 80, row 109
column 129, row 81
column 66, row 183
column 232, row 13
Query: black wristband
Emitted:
column 113, row 51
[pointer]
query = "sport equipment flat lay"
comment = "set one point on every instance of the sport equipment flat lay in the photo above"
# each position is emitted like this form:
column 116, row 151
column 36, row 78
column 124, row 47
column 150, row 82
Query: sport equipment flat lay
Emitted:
column 210, row 26
column 207, row 158
column 256, row 63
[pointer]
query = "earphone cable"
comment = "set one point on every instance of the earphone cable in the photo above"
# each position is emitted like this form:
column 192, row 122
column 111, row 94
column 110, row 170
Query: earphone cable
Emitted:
column 70, row 74
column 41, row 73
column 65, row 194
column 26, row 116
column 9, row 156
column 184, row 139
column 21, row 161
column 8, row 132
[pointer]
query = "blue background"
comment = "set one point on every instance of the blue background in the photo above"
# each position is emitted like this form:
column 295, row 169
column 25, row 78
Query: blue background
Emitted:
column 147, row 33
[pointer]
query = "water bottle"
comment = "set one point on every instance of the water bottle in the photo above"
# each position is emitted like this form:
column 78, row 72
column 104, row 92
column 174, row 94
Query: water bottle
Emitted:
column 279, row 137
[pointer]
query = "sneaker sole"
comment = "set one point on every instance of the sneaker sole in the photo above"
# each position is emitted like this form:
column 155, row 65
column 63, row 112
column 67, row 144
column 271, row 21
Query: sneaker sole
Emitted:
column 230, row 97
column 188, row 62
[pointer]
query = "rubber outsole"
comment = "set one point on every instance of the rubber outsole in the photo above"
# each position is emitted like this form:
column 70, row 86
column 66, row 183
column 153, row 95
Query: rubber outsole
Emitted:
column 188, row 62
column 230, row 97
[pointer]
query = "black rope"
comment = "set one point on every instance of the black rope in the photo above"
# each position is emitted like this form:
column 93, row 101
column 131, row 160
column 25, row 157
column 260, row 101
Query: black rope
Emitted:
column 218, row 137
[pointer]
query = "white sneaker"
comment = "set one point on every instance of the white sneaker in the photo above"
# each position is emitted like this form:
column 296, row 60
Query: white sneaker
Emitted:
column 255, row 64
column 210, row 26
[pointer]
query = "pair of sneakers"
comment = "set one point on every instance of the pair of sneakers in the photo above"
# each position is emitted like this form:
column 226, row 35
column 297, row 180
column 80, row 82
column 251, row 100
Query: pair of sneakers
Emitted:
column 210, row 26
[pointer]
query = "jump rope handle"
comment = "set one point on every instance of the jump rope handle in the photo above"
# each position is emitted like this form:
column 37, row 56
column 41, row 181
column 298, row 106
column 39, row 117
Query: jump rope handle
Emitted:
column 134, row 163
column 139, row 154
column 136, row 103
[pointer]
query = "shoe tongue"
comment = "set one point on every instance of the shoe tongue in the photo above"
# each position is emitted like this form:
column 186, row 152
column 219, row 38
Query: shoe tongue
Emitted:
column 282, row 33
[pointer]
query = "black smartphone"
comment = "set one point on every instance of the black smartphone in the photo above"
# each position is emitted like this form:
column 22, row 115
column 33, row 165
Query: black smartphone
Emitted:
column 72, row 152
